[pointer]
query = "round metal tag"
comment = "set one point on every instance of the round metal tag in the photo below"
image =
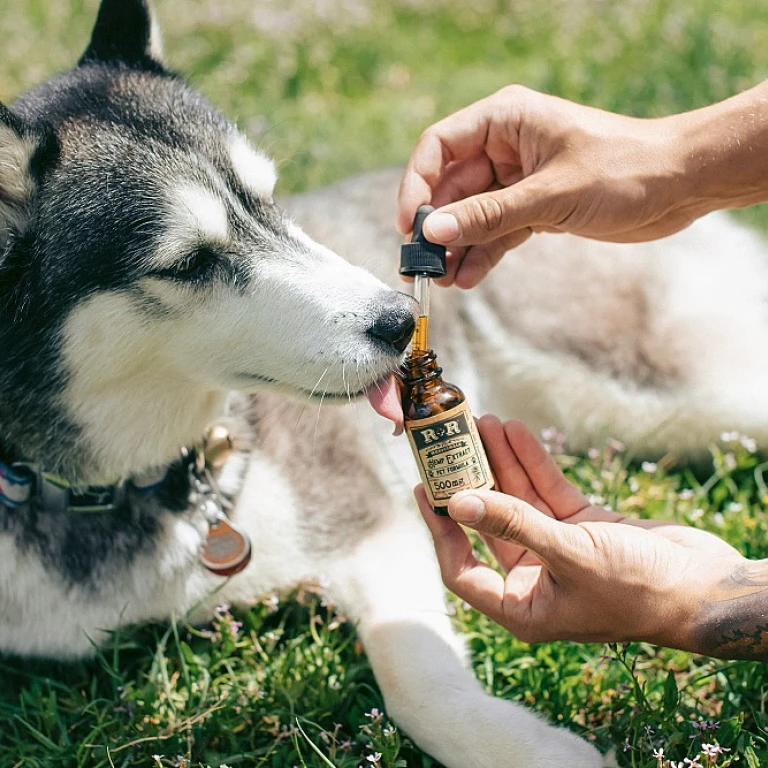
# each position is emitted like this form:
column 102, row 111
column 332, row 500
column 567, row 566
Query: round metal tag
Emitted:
column 227, row 548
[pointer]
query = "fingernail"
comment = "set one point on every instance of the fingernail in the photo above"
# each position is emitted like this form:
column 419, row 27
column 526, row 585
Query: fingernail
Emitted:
column 441, row 227
column 467, row 508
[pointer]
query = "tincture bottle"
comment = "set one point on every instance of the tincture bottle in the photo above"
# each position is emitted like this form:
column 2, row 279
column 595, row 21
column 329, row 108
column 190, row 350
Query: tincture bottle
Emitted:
column 442, row 433
column 440, row 427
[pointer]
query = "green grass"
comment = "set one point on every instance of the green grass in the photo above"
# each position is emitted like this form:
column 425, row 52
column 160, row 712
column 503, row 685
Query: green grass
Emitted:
column 332, row 88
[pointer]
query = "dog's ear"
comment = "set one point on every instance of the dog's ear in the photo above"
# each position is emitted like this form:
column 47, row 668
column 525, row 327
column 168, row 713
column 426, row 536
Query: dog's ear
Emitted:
column 20, row 156
column 126, row 32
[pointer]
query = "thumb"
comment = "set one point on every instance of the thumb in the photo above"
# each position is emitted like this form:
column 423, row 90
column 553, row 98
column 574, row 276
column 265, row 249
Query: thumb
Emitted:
column 510, row 519
column 491, row 215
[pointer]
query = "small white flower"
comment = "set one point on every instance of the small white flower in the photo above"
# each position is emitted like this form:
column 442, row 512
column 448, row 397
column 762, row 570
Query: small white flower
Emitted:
column 711, row 751
column 552, row 439
column 749, row 444
column 686, row 494
column 616, row 445
column 649, row 466
column 734, row 506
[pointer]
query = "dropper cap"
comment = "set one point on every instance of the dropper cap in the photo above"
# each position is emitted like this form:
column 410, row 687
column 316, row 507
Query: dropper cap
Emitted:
column 420, row 257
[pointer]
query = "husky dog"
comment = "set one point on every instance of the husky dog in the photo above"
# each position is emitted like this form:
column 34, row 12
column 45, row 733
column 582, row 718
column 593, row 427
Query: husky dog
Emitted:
column 146, row 275
column 152, row 288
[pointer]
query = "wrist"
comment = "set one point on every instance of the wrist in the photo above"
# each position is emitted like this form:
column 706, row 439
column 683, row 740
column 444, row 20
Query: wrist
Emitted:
column 675, row 614
column 678, row 606
column 721, row 153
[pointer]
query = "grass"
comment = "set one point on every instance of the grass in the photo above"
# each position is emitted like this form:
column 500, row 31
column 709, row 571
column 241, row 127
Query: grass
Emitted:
column 332, row 88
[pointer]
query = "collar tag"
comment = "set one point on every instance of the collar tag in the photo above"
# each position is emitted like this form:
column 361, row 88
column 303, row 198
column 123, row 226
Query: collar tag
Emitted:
column 227, row 547
column 15, row 487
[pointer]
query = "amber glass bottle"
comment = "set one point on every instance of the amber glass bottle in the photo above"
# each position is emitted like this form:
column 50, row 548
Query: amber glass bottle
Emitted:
column 440, row 428
column 442, row 433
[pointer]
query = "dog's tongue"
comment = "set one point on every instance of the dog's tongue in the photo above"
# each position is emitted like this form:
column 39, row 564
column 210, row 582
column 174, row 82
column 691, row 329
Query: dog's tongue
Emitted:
column 384, row 397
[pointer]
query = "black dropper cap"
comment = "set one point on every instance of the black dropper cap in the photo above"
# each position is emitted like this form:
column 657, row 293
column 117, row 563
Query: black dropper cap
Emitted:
column 420, row 257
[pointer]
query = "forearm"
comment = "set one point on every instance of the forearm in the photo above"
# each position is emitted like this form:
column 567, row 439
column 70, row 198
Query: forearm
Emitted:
column 733, row 623
column 723, row 152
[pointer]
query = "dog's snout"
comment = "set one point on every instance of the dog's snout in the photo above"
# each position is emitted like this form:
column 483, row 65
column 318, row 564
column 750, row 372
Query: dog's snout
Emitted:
column 394, row 326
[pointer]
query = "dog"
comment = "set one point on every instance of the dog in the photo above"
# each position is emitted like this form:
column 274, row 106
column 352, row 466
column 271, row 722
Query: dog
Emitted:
column 169, row 332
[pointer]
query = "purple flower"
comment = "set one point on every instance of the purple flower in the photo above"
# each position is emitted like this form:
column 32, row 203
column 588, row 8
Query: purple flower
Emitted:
column 706, row 725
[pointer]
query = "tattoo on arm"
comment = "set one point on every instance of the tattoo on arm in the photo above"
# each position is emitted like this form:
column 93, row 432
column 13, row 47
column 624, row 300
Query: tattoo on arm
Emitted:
column 734, row 624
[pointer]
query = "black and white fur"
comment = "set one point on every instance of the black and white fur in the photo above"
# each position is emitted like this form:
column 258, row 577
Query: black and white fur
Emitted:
column 151, row 286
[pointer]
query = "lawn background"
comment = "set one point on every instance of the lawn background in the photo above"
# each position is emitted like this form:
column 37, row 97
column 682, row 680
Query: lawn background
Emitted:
column 331, row 88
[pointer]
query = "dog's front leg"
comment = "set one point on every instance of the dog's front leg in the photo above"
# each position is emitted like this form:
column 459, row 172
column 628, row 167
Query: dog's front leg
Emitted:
column 390, row 585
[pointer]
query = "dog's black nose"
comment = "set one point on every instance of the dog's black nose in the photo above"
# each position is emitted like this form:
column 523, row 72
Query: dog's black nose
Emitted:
column 394, row 326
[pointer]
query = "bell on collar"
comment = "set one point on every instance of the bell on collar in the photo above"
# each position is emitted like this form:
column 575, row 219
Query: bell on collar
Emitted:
column 217, row 446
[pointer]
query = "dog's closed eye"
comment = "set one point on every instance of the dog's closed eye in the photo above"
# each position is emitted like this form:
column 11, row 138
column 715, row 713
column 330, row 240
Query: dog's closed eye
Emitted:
column 197, row 266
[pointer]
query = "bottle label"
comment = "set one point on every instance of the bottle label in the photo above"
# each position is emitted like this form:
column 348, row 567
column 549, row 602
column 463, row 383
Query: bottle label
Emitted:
column 449, row 453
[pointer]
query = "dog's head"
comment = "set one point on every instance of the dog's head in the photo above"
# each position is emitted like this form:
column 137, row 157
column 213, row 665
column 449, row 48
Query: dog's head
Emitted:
column 144, row 258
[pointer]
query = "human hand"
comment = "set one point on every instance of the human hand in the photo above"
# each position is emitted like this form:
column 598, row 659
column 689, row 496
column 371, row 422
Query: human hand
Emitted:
column 571, row 570
column 519, row 162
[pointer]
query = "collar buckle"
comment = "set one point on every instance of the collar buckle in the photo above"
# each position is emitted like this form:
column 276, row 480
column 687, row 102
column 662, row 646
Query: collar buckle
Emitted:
column 15, row 485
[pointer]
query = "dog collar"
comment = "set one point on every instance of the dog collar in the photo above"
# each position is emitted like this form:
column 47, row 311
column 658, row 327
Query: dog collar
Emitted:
column 227, row 547
column 24, row 482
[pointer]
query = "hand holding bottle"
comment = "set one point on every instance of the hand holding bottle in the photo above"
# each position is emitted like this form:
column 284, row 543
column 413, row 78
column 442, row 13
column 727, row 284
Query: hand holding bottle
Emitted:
column 574, row 571
column 519, row 162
